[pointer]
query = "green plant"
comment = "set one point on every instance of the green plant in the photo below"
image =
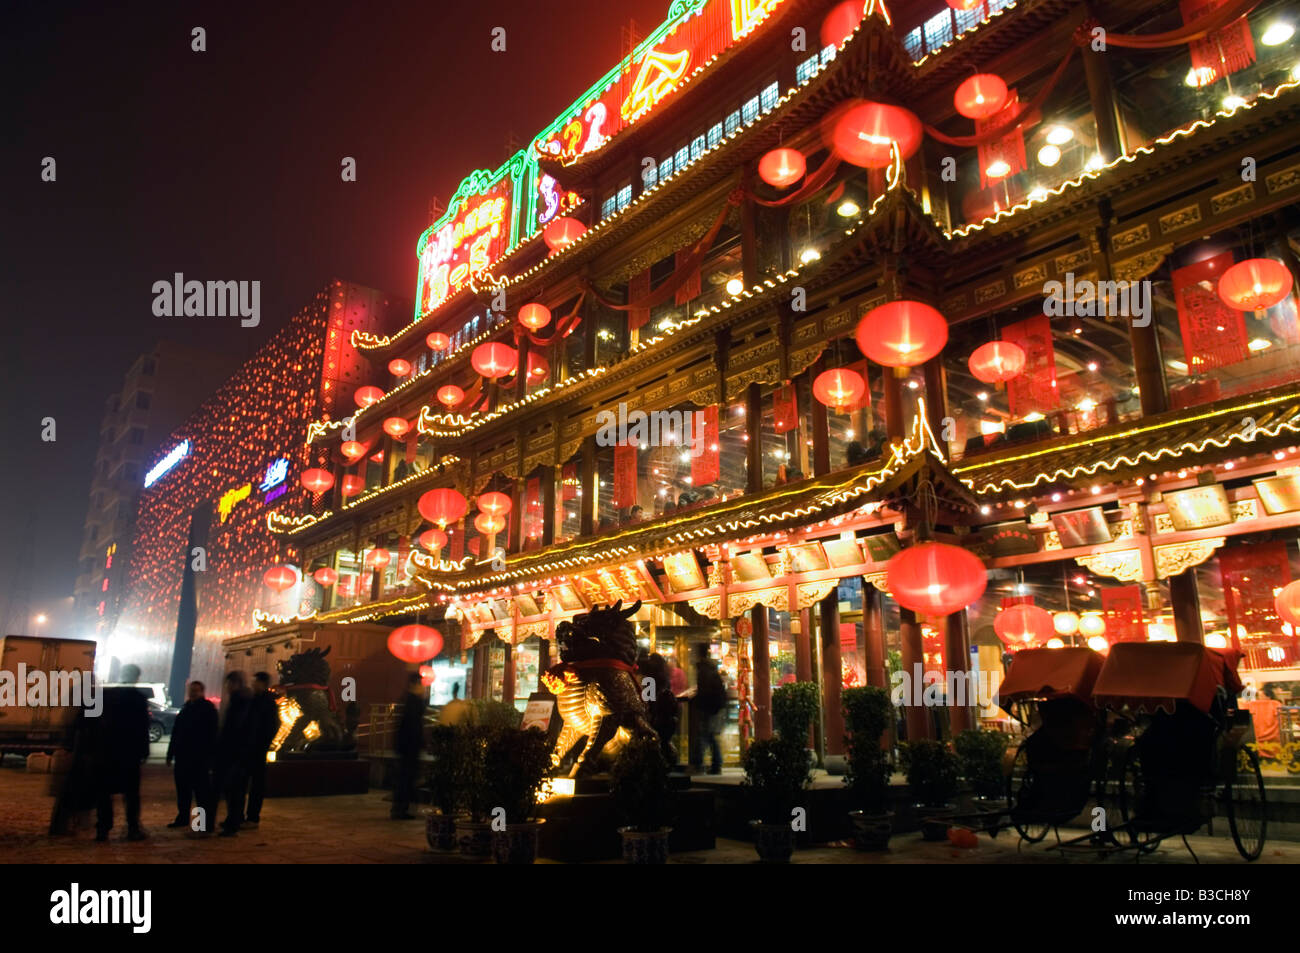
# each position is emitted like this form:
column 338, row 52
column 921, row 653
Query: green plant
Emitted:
column 867, row 715
column 639, row 785
column 497, row 715
column 931, row 771
column 776, row 774
column 794, row 707
column 515, row 764
column 470, row 773
column 443, row 745
column 979, row 754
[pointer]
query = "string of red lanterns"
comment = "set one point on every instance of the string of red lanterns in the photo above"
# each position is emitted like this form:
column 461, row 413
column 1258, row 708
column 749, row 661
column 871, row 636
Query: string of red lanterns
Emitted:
column 981, row 96
column 1023, row 626
column 534, row 316
column 280, row 578
column 449, row 395
column 399, row 367
column 442, row 506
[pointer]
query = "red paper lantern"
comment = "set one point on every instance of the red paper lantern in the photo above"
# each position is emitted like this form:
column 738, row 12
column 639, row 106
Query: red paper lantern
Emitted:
column 396, row 427
column 863, row 132
column 494, row 360
column 997, row 362
column 398, row 367
column 1255, row 284
column 353, row 484
column 427, row 675
column 365, row 396
column 489, row 525
column 317, row 480
column 437, row 341
column 449, row 395
column 354, row 450
column 415, row 643
column 562, row 232
column 281, row 578
column 378, row 558
column 981, row 96
column 538, row 367
column 535, row 316
column 964, row 4
column 1287, row 603
column 936, row 578
column 442, row 506
column 433, row 539
column 840, row 23
column 1024, row 626
column 840, row 389
column 902, row 333
column 497, row 504
column 782, row 167
column 325, row 576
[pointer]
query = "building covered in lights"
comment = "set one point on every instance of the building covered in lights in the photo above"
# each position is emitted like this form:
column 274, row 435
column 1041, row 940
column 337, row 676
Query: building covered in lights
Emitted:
column 201, row 542
column 718, row 233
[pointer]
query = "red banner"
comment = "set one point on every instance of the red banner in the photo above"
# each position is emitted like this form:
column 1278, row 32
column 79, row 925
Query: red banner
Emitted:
column 706, row 462
column 785, row 408
column 1250, row 575
column 1122, row 608
column 690, row 288
column 1035, row 389
column 534, row 518
column 1214, row 335
column 412, row 442
column 625, row 476
column 1222, row 51
column 569, row 483
column 1009, row 149
column 638, row 287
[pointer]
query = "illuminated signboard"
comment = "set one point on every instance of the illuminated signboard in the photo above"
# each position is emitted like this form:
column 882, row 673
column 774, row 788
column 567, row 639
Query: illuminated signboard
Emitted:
column 230, row 498
column 655, row 68
column 175, row 456
column 273, row 483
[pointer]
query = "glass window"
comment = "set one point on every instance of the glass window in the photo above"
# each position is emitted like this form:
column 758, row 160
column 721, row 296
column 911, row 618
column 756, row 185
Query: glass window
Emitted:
column 938, row 30
column 148, row 368
column 732, row 123
column 683, row 157
column 568, row 502
column 697, row 147
column 914, row 45
column 806, row 70
column 650, row 176
column 665, row 168
column 607, row 207
column 968, row 18
column 137, row 435
column 624, row 197
column 142, row 399
column 715, row 134
column 828, row 54
column 769, row 97
column 749, row 111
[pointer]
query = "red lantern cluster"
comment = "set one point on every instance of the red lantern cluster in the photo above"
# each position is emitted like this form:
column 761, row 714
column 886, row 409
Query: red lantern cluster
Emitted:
column 494, row 360
column 399, row 367
column 442, row 506
column 981, row 96
column 1255, row 284
column 489, row 525
column 437, row 341
column 535, row 316
column 1024, row 626
column 427, row 675
column 782, row 167
column 902, row 333
column 325, row 576
column 281, row 578
column 449, row 395
column 936, row 578
column 316, row 480
column 561, row 232
column 415, row 643
column 863, row 133
column 997, row 362
column 840, row 389
column 396, row 427
column 365, row 396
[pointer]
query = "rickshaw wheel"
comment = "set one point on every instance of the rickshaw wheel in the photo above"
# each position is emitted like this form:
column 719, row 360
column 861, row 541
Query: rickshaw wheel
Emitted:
column 1019, row 784
column 1245, row 796
column 1132, row 791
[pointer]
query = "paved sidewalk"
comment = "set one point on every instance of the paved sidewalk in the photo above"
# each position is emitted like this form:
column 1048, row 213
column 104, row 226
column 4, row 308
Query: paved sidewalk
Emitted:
column 351, row 829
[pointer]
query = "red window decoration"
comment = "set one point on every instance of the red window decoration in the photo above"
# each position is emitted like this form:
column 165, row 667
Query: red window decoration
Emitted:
column 1121, row 607
column 706, row 460
column 785, row 406
column 625, row 495
column 1222, row 51
column 1214, row 335
column 1035, row 390
column 1006, row 156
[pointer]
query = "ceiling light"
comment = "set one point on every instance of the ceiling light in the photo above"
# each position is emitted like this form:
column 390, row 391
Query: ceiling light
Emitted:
column 848, row 208
column 1178, row 366
column 1199, row 76
column 1260, row 344
column 1278, row 32
column 1060, row 135
column 1095, row 163
column 912, row 385
column 1049, row 155
column 983, row 395
column 997, row 169
column 809, row 254
column 1092, row 365
column 1233, row 102
column 1034, row 417
column 735, row 286
column 1038, row 195
column 1086, row 405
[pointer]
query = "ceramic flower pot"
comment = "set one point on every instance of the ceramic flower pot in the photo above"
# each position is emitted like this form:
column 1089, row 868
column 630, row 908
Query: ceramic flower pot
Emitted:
column 474, row 838
column 871, row 831
column 440, row 832
column 774, row 842
column 645, row 848
column 517, row 844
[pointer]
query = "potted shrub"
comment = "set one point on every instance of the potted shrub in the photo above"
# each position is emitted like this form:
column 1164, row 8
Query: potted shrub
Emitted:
column 794, row 707
column 932, row 777
column 643, row 797
column 496, row 715
column 440, row 828
column 867, row 714
column 473, row 830
column 980, row 756
column 776, row 775
column 515, row 766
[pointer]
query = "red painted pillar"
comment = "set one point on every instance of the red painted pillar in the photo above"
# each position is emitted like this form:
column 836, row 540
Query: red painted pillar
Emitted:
column 762, row 673
column 832, row 677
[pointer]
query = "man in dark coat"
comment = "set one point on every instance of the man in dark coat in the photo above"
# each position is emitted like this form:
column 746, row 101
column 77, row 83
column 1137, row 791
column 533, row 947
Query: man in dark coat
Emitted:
column 192, row 746
column 708, row 708
column 409, row 744
column 265, row 725
column 120, row 745
column 234, row 751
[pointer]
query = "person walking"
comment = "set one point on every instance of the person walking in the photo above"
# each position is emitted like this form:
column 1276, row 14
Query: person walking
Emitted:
column 663, row 706
column 265, row 715
column 192, row 746
column 120, row 746
column 234, row 748
column 409, row 744
column 709, row 705
column 457, row 711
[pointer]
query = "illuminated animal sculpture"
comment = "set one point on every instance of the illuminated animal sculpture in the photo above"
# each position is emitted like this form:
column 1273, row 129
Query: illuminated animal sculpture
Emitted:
column 307, row 716
column 597, row 691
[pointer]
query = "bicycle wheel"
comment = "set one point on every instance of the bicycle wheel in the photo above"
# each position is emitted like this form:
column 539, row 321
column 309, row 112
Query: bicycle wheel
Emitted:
column 1247, row 815
column 1021, row 798
column 1132, row 794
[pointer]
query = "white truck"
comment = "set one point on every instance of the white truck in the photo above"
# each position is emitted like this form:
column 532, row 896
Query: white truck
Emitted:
column 25, row 727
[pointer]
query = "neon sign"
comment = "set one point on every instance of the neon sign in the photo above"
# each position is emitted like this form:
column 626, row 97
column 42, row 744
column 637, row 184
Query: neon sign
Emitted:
column 273, row 483
column 228, row 499
column 174, row 456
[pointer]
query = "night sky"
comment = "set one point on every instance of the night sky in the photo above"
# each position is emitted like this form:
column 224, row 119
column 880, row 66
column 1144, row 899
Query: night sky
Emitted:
column 225, row 165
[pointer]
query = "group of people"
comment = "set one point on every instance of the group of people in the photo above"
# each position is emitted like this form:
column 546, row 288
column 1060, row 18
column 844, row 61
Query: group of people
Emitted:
column 216, row 754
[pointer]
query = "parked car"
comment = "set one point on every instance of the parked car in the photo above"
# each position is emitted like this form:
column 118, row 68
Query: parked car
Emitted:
column 161, row 720
column 154, row 691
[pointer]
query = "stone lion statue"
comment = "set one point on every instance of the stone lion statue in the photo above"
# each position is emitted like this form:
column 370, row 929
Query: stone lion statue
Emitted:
column 304, row 682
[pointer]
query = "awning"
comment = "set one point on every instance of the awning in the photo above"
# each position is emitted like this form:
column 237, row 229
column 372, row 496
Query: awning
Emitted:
column 1146, row 676
column 1044, row 673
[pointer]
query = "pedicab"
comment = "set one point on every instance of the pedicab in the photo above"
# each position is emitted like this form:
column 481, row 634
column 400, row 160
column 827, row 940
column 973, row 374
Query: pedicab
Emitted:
column 1190, row 759
column 1063, row 760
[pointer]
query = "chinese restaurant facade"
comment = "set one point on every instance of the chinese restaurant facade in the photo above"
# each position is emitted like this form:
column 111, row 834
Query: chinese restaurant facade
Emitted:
column 633, row 371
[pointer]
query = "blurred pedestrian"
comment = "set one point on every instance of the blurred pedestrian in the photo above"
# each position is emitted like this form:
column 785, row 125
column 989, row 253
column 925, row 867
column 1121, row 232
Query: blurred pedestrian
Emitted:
column 663, row 704
column 192, row 746
column 708, row 708
column 265, row 716
column 121, row 745
column 234, row 751
column 457, row 711
column 409, row 744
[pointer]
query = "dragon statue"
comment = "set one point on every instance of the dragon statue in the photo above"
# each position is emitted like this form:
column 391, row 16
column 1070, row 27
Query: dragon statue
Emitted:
column 308, row 719
column 597, row 693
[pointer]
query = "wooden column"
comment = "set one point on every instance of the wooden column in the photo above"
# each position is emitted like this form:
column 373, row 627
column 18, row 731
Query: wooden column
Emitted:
column 820, row 431
column 956, row 650
column 547, row 476
column 749, row 231
column 476, row 678
column 1186, row 604
column 508, row 681
column 543, row 657
column 832, row 677
column 803, row 667
column 873, row 628
column 754, row 430
column 1105, row 106
column 918, row 718
column 587, row 484
column 762, row 673
column 893, row 388
column 936, row 401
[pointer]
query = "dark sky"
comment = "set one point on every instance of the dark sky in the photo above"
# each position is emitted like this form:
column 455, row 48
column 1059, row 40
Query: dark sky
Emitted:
column 225, row 165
